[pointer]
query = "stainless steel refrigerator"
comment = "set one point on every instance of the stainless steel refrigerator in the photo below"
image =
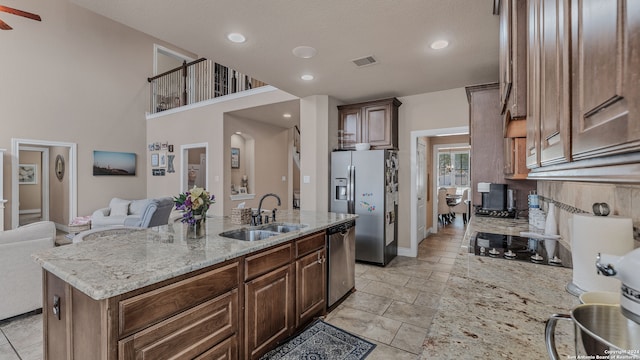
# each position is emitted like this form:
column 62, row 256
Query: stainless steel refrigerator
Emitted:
column 366, row 183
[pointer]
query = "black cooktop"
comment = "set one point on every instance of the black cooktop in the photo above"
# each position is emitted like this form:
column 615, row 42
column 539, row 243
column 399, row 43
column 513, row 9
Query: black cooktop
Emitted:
column 515, row 248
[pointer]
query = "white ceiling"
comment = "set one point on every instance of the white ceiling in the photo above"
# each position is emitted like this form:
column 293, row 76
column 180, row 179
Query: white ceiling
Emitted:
column 396, row 32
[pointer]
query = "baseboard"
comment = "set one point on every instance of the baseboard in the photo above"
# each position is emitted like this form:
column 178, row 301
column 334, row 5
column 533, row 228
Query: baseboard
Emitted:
column 408, row 252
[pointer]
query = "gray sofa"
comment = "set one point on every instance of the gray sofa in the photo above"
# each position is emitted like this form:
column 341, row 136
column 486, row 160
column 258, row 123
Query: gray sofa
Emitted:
column 21, row 280
column 133, row 213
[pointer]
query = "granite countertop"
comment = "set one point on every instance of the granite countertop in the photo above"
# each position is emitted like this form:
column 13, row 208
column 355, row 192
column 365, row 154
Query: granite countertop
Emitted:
column 118, row 263
column 494, row 308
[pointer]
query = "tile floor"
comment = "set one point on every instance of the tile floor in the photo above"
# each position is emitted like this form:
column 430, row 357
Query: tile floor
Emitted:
column 392, row 306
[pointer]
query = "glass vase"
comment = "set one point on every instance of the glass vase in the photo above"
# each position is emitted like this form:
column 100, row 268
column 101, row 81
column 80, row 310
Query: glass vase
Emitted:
column 196, row 230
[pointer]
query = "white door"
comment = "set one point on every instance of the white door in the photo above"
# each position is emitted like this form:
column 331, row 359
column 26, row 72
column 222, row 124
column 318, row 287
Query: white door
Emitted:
column 421, row 204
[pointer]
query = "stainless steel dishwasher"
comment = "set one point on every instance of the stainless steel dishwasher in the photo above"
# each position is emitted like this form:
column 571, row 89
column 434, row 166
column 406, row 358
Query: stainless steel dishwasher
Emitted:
column 341, row 243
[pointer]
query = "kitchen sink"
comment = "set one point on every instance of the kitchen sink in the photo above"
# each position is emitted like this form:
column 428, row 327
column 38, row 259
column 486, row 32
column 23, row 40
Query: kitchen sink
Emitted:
column 281, row 227
column 249, row 234
column 261, row 232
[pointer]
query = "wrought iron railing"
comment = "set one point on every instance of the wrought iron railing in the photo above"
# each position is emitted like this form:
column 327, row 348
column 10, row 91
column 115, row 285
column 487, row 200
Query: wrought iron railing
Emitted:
column 196, row 81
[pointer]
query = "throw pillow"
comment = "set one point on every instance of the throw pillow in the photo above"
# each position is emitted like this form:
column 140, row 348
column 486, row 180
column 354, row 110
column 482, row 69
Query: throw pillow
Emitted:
column 119, row 208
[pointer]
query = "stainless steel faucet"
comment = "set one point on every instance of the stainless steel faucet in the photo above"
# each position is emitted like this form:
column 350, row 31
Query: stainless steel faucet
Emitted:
column 260, row 205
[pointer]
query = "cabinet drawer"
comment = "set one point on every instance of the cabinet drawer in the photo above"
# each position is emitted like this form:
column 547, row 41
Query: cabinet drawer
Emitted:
column 226, row 350
column 152, row 307
column 266, row 261
column 187, row 335
column 309, row 244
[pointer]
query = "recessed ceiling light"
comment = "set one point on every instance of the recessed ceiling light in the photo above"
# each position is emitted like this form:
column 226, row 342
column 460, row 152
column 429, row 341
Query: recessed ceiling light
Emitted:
column 236, row 38
column 305, row 52
column 287, row 115
column 307, row 77
column 439, row 44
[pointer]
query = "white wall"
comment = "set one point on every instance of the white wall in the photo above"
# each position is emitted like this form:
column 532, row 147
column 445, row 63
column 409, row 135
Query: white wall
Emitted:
column 270, row 159
column 203, row 123
column 436, row 110
column 81, row 78
column 314, row 156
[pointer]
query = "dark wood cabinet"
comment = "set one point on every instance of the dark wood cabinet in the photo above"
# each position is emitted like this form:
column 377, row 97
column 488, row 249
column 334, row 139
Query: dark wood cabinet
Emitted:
column 238, row 309
column 269, row 299
column 311, row 280
column 513, row 59
column 514, row 150
column 548, row 128
column 373, row 122
column 488, row 144
column 583, row 117
column 269, row 304
column 606, row 77
column 187, row 335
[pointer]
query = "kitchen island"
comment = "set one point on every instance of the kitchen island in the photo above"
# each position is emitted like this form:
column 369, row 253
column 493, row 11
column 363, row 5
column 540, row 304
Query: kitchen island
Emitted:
column 496, row 308
column 151, row 293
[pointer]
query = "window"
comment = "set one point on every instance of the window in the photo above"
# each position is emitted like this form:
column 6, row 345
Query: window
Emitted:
column 453, row 168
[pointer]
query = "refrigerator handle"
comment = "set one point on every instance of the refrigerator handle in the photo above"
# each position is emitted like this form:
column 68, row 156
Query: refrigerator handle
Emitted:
column 351, row 190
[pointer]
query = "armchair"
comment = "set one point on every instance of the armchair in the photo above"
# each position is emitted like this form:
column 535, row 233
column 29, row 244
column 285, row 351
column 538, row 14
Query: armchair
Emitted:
column 133, row 213
column 21, row 280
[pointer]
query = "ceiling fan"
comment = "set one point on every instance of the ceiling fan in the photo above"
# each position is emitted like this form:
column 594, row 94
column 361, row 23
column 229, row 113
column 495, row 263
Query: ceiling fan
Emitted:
column 28, row 15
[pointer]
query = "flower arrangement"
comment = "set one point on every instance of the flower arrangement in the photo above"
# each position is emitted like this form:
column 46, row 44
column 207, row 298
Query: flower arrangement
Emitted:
column 195, row 204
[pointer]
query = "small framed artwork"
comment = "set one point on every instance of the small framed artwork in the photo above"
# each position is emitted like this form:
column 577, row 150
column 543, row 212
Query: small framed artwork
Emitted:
column 242, row 190
column 162, row 161
column 235, row 158
column 155, row 160
column 27, row 174
column 170, row 148
column 164, row 145
column 151, row 147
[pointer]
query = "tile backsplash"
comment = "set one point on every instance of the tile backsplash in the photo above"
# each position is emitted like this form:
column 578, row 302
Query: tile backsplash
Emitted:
column 623, row 200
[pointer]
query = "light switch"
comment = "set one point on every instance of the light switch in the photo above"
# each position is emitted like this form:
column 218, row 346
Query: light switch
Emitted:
column 306, row 179
column 216, row 178
column 284, row 178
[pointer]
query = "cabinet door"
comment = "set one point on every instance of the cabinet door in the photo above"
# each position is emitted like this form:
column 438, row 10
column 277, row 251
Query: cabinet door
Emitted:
column 269, row 307
column 606, row 80
column 554, row 82
column 311, row 286
column 349, row 127
column 533, row 85
column 513, row 58
column 376, row 126
column 504, row 60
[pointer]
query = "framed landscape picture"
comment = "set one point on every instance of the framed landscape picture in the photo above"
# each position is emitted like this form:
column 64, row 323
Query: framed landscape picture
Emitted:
column 27, row 174
column 114, row 163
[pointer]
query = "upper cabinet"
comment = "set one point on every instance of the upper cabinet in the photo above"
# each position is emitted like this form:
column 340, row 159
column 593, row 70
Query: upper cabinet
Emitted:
column 606, row 77
column 373, row 122
column 549, row 97
column 583, row 69
column 513, row 59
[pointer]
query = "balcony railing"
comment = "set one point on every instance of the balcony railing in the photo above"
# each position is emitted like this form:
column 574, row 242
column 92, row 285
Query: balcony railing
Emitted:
column 196, row 81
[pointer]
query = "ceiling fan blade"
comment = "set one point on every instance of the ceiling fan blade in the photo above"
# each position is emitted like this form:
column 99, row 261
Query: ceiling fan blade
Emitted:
column 4, row 26
column 13, row 11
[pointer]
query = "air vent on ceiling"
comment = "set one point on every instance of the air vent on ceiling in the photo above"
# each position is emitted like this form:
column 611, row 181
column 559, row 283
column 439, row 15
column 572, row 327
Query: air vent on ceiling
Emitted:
column 365, row 61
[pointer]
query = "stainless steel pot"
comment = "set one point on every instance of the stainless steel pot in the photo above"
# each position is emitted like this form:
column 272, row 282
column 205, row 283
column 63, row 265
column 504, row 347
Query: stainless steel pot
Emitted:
column 599, row 330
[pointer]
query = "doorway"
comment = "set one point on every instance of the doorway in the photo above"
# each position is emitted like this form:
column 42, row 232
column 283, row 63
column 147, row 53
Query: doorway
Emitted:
column 193, row 166
column 413, row 250
column 63, row 188
column 33, row 185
